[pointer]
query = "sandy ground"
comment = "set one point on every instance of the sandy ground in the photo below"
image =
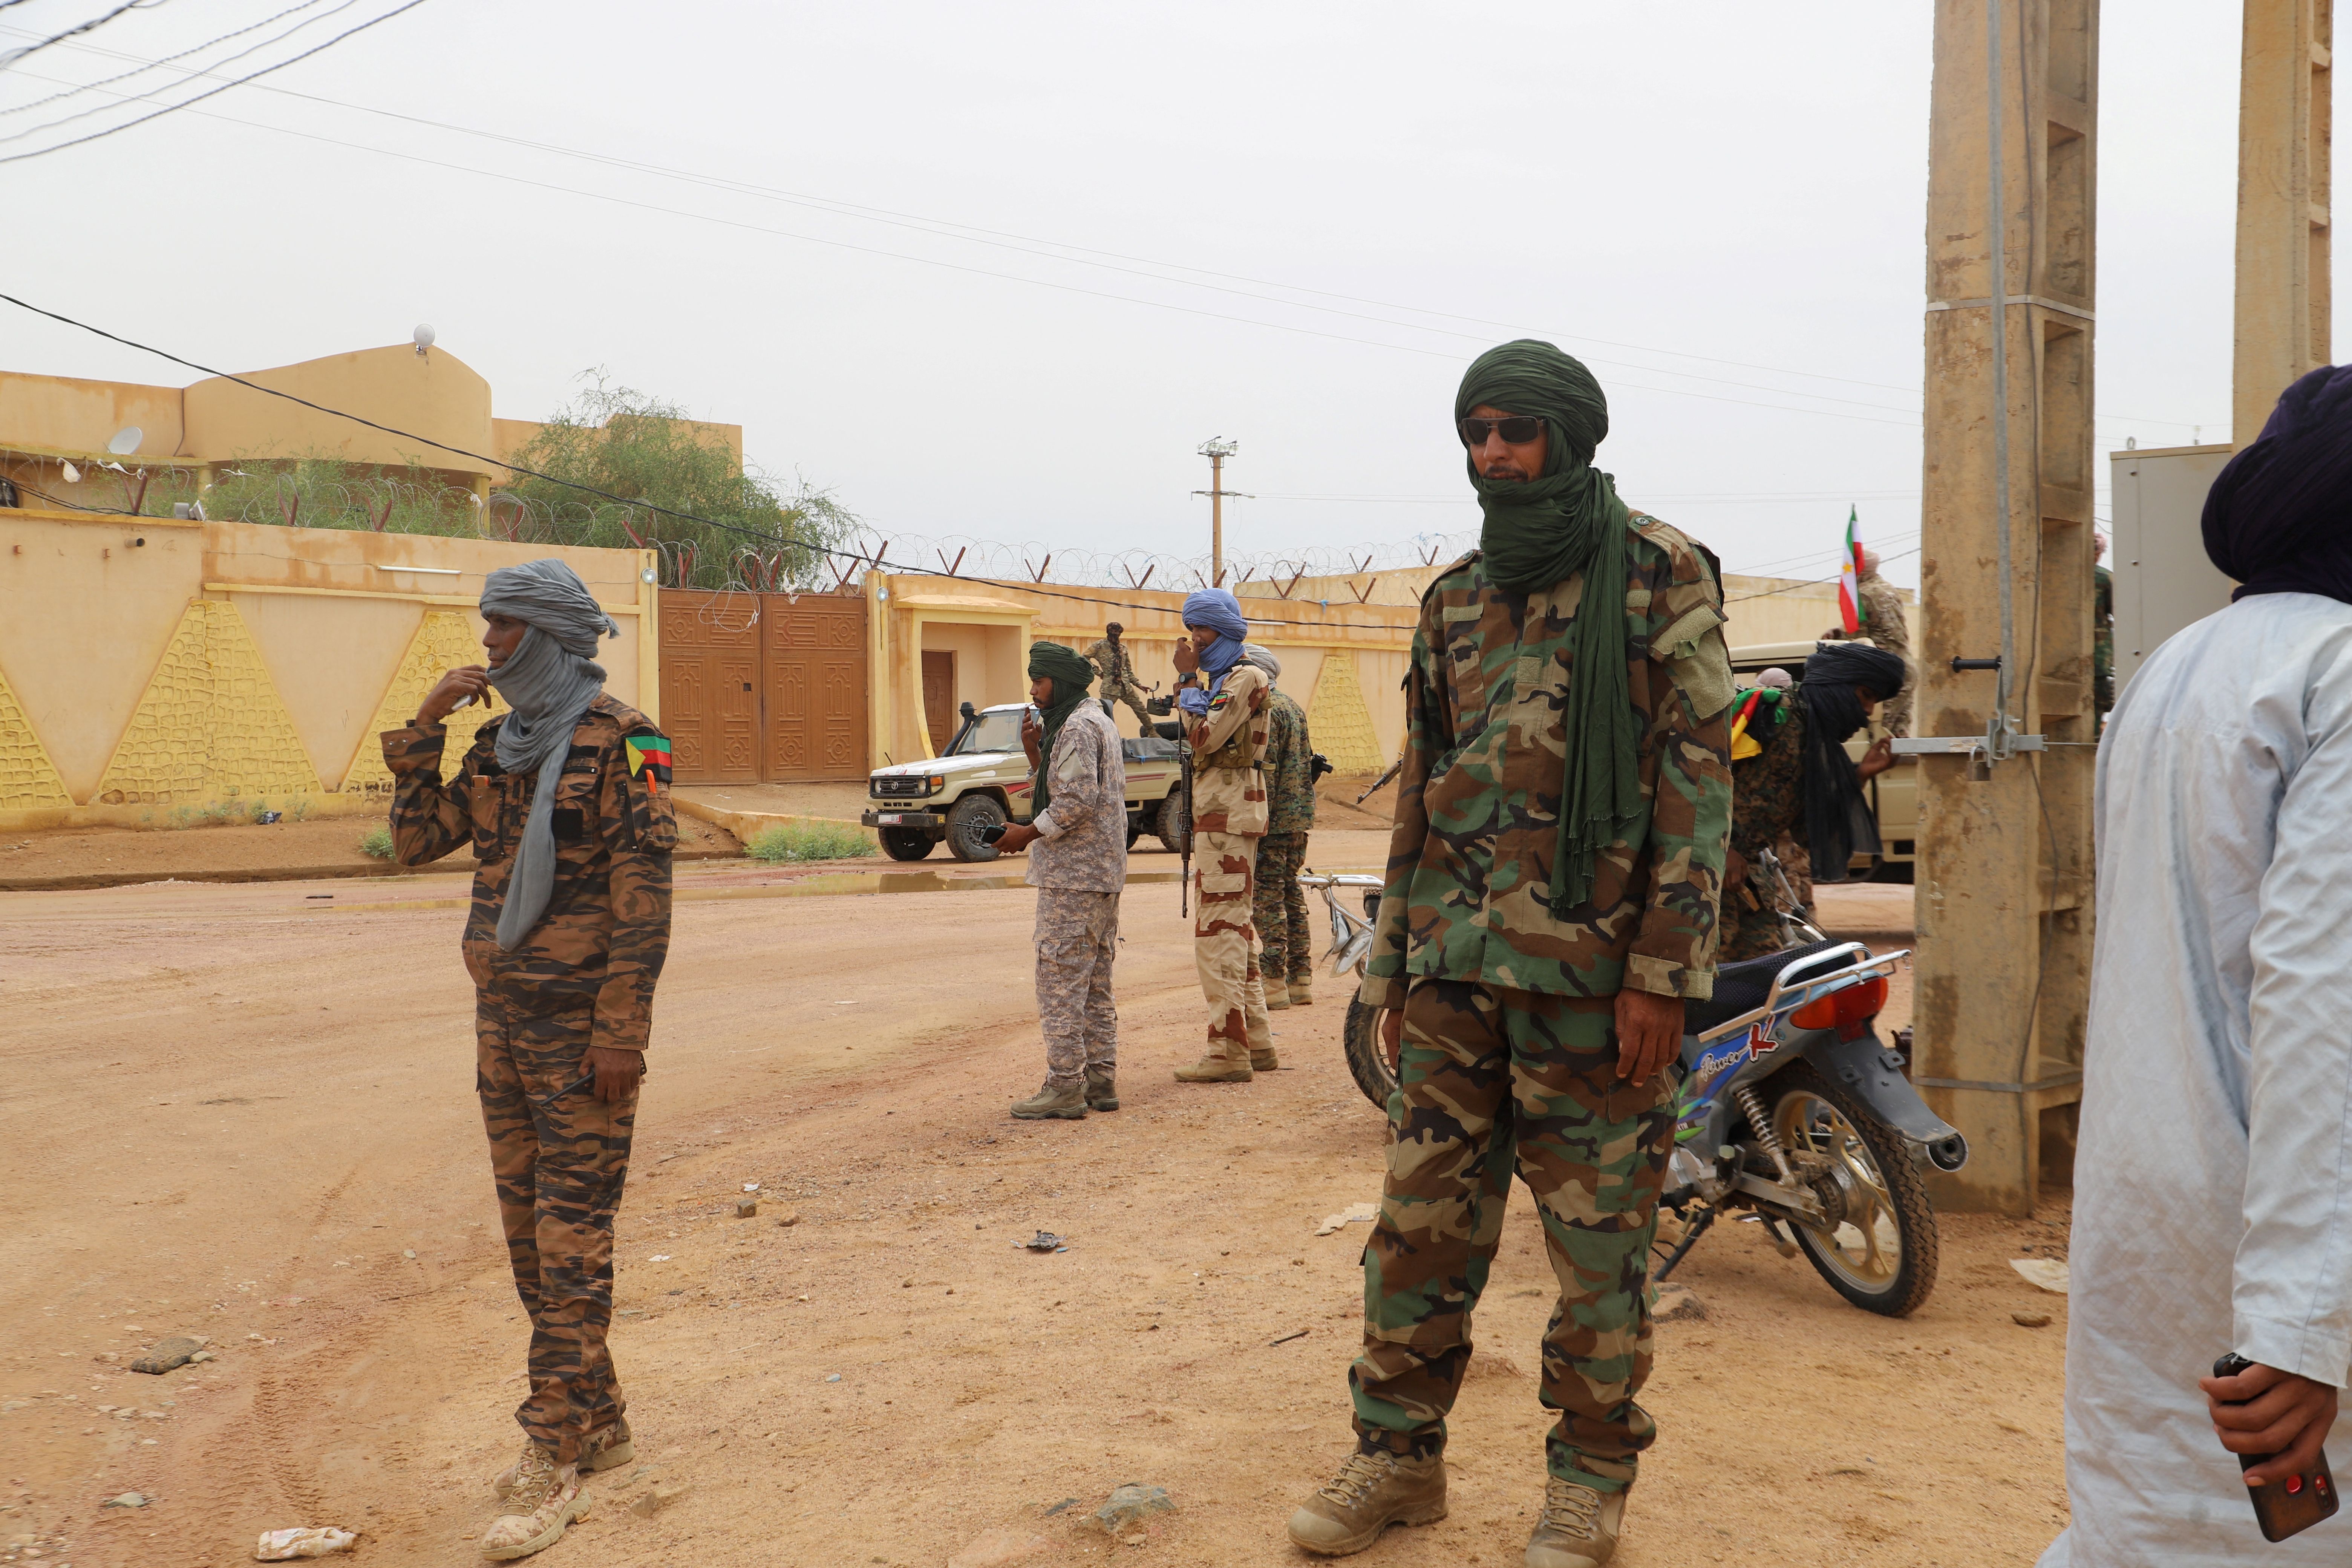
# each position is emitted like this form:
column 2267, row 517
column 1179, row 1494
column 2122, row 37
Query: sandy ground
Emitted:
column 246, row 1111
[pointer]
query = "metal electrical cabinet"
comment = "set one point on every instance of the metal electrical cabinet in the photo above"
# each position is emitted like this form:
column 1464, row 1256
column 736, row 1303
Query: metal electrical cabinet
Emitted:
column 2163, row 579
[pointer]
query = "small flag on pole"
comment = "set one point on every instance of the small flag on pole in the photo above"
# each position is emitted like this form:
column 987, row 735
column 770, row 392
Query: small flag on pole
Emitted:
column 1851, row 611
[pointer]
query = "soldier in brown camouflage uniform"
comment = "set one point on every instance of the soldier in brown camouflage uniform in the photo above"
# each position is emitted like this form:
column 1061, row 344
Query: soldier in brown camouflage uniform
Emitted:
column 1225, row 724
column 1116, row 668
column 1551, row 896
column 561, row 1015
column 1285, row 942
column 1078, row 862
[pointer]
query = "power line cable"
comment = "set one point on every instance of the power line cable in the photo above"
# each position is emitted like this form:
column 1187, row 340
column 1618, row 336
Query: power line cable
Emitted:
column 175, row 108
column 151, row 65
column 91, row 25
column 110, row 108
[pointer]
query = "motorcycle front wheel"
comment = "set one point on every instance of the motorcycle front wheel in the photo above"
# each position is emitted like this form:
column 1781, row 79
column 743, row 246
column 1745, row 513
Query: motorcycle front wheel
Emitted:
column 1360, row 1037
column 1881, row 1253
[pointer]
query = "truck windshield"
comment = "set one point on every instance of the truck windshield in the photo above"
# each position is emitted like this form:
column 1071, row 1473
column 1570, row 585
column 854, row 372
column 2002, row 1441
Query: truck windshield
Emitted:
column 997, row 732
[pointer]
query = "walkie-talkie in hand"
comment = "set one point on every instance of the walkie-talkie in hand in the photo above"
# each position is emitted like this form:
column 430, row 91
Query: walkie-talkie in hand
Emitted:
column 2295, row 1504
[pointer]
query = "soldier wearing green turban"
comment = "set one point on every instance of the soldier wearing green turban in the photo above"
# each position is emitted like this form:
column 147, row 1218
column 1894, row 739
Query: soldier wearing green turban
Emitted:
column 1562, row 815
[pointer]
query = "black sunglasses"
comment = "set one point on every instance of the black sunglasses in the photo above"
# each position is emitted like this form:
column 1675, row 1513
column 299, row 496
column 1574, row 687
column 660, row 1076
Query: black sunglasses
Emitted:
column 1518, row 429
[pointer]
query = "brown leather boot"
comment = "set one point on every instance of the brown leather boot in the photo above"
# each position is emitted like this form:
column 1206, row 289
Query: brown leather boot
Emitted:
column 1216, row 1069
column 1066, row 1102
column 1578, row 1528
column 1265, row 1061
column 1370, row 1492
column 1102, row 1089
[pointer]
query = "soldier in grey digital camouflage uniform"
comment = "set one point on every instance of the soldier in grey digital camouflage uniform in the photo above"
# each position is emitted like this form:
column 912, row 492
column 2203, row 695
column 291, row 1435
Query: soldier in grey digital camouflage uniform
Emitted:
column 1552, row 886
column 1078, row 862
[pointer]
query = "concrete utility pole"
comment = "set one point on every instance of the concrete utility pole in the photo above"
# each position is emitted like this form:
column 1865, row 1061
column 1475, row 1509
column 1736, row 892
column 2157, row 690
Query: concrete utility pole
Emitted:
column 1217, row 449
column 2282, row 203
column 2005, row 759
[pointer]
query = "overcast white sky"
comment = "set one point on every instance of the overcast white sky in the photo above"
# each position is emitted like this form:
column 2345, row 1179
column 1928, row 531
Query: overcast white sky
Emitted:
column 1711, row 198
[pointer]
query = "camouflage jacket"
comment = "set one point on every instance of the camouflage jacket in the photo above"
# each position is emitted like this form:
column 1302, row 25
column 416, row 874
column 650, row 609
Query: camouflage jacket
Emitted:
column 1767, row 791
column 1290, row 783
column 1082, row 833
column 607, row 929
column 1113, row 665
column 1477, row 825
column 1882, row 622
column 1228, row 749
column 2102, row 638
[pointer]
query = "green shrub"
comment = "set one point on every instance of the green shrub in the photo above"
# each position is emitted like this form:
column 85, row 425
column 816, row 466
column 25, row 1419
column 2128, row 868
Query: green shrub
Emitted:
column 377, row 843
column 809, row 841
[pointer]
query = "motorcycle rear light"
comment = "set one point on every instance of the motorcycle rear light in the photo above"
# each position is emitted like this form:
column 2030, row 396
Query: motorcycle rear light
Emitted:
column 1845, row 1011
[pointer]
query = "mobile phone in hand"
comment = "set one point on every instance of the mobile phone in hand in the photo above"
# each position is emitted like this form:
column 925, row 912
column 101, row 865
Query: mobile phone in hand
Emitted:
column 992, row 832
column 2295, row 1504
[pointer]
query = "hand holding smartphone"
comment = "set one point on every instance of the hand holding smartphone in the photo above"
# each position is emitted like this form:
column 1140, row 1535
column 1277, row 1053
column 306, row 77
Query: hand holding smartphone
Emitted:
column 2284, row 1507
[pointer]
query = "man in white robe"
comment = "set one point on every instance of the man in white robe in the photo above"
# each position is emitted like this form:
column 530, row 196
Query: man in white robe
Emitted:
column 2214, row 1176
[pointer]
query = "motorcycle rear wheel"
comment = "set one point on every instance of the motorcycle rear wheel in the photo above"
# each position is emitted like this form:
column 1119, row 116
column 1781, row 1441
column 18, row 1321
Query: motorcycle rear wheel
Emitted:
column 1360, row 1037
column 1882, row 1255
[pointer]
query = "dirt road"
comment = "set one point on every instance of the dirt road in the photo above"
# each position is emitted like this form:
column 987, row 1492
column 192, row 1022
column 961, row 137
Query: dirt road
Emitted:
column 246, row 1112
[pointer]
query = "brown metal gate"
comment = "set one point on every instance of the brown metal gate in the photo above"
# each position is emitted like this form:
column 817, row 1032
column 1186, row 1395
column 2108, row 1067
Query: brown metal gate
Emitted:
column 763, row 687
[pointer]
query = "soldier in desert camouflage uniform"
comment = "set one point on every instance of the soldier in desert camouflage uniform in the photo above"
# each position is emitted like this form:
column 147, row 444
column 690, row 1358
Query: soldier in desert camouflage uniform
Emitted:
column 1116, row 668
column 1551, row 898
column 1883, row 625
column 1286, row 941
column 1078, row 862
column 1225, row 724
column 563, row 996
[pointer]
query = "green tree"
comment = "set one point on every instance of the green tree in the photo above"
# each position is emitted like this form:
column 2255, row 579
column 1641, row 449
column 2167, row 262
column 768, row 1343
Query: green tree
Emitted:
column 649, row 452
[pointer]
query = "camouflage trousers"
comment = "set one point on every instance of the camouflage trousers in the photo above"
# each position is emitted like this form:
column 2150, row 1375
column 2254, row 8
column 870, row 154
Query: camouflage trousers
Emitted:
column 1285, row 942
column 1745, row 932
column 1491, row 1079
column 1131, row 694
column 559, row 1156
column 1224, row 944
column 1078, row 938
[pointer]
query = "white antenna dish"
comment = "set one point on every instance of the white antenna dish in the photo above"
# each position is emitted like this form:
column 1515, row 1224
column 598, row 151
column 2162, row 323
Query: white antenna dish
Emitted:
column 126, row 440
column 424, row 337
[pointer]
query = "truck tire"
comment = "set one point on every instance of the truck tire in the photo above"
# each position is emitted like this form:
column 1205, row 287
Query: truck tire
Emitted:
column 965, row 819
column 1368, row 1063
column 1175, row 824
column 906, row 843
column 1134, row 827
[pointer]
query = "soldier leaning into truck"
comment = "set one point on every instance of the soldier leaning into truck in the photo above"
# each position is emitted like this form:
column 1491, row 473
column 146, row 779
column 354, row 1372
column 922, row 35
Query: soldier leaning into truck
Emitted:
column 1076, row 840
column 564, row 801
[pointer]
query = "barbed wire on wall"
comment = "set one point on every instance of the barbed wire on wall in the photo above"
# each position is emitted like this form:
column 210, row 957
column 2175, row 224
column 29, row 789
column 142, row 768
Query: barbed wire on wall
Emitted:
column 959, row 555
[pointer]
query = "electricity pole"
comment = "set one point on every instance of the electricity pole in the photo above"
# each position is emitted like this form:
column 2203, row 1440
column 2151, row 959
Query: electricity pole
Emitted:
column 1217, row 449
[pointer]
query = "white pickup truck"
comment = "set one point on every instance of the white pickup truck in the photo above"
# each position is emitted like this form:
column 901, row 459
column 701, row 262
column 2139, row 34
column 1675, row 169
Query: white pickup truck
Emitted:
column 982, row 779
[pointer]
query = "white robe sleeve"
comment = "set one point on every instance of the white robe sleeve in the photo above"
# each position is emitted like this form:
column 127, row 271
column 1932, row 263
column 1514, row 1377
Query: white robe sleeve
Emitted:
column 2290, row 1297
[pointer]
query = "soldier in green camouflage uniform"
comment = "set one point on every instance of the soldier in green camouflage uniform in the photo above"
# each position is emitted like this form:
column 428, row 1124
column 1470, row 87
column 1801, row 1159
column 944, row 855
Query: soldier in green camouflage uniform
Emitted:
column 1286, row 941
column 1540, row 1000
column 562, row 1020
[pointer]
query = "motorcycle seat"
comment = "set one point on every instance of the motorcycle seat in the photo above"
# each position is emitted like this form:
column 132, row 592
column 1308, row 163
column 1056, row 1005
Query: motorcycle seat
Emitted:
column 1741, row 987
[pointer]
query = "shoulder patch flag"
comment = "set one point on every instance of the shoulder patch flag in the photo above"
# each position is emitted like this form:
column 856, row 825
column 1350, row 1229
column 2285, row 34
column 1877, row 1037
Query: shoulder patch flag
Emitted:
column 649, row 759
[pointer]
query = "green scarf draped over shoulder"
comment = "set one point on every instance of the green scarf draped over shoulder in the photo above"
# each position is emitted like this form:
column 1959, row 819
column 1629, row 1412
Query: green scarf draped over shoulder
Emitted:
column 1536, row 534
column 1072, row 674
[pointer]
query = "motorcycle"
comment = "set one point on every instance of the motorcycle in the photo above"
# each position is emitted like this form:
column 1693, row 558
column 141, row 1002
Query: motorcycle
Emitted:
column 1791, row 1112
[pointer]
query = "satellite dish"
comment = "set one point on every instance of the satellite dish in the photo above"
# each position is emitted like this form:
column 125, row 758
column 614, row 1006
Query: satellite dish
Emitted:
column 126, row 440
column 423, row 335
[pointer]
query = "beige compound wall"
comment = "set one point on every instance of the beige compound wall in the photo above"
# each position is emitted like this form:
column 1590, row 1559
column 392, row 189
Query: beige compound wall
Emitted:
column 149, row 666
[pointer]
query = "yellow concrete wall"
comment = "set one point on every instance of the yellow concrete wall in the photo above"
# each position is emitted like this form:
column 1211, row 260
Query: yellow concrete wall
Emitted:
column 62, row 413
column 146, row 663
column 434, row 394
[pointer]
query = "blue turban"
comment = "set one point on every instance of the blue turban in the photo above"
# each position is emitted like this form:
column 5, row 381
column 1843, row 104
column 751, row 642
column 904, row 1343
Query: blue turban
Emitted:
column 1214, row 608
column 2279, row 516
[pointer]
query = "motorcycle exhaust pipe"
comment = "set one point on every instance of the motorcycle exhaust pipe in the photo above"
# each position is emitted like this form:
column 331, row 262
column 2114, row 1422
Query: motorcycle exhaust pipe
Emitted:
column 1949, row 1154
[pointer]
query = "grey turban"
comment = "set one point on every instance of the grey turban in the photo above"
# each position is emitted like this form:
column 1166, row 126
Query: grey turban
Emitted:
column 549, row 679
column 1253, row 653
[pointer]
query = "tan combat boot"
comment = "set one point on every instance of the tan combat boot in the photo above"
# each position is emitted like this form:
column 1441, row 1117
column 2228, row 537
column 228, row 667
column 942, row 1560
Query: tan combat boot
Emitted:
column 598, row 1451
column 1216, row 1069
column 1276, row 998
column 1265, row 1060
column 1578, row 1528
column 1066, row 1102
column 1370, row 1492
column 546, row 1497
column 1302, row 991
column 1102, row 1089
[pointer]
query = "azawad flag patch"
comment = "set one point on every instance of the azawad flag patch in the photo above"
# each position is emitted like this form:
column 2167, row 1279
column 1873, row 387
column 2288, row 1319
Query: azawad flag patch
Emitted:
column 649, row 757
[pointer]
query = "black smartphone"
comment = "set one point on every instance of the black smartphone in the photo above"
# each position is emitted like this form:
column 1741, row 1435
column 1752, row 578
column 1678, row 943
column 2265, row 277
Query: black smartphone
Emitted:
column 992, row 832
column 2295, row 1504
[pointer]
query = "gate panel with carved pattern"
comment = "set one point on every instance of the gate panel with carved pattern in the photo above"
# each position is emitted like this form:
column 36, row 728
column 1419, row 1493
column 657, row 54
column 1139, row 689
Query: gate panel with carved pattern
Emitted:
column 711, row 685
column 812, row 646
